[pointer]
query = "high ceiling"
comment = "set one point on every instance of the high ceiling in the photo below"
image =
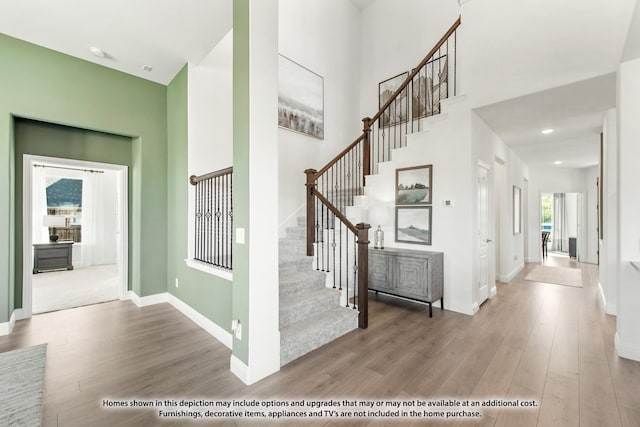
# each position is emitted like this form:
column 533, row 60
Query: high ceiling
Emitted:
column 575, row 43
column 163, row 34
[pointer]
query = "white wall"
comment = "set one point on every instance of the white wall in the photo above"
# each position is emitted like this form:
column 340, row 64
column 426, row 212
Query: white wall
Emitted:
column 515, row 48
column 210, row 118
column 508, row 170
column 628, row 301
column 609, row 256
column 321, row 35
column 395, row 37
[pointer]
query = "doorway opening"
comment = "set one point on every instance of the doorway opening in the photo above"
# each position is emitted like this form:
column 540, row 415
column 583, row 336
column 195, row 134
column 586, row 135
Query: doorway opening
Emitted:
column 561, row 221
column 75, row 236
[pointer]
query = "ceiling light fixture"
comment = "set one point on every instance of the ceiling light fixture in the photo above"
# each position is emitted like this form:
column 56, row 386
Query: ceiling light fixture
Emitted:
column 147, row 67
column 557, row 162
column 96, row 51
column 547, row 131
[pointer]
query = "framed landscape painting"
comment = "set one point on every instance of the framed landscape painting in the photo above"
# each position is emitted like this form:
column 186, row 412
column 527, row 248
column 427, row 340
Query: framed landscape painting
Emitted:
column 398, row 110
column 413, row 224
column 300, row 99
column 413, row 185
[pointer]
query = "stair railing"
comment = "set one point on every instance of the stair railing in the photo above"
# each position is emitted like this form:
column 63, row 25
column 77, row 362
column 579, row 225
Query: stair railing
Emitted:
column 338, row 241
column 213, row 218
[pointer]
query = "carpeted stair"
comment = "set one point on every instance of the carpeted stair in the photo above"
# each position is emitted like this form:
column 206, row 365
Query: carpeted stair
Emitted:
column 310, row 313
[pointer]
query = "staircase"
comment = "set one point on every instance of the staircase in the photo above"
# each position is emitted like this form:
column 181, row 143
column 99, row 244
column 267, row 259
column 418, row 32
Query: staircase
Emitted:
column 311, row 314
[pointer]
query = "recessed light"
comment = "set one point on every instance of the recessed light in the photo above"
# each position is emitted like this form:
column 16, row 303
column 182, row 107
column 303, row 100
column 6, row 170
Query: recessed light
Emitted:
column 147, row 67
column 96, row 51
column 547, row 131
column 557, row 162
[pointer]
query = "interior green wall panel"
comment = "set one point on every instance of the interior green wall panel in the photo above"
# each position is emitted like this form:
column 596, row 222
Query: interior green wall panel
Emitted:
column 241, row 173
column 209, row 295
column 44, row 85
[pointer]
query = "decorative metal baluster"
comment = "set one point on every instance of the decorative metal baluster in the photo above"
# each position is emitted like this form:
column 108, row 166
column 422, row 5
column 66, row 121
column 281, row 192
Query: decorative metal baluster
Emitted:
column 355, row 270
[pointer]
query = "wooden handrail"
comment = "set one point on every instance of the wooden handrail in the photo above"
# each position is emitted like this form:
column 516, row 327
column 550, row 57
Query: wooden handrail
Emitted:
column 339, row 156
column 416, row 70
column 335, row 211
column 196, row 179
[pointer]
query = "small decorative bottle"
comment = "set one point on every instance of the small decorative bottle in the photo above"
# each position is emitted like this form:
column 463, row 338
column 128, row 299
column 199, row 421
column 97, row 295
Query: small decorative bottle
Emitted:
column 378, row 240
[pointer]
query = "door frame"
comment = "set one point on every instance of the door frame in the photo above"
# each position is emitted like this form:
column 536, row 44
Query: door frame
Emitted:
column 490, row 252
column 27, row 239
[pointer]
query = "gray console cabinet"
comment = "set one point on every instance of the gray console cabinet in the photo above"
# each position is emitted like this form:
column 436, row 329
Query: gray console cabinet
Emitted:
column 407, row 273
column 52, row 256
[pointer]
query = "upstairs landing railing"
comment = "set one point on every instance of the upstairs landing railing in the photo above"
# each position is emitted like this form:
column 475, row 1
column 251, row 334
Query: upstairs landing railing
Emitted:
column 213, row 218
column 342, row 247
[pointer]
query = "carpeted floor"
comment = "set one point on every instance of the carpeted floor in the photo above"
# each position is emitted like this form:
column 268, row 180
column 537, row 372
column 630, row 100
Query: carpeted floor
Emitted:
column 59, row 290
column 21, row 377
column 555, row 275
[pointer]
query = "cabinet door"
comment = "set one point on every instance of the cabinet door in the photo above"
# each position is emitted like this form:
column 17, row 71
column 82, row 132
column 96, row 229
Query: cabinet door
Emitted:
column 412, row 277
column 379, row 271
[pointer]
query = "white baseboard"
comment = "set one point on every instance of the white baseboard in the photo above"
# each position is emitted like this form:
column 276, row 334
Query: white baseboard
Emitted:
column 7, row 327
column 603, row 298
column 509, row 277
column 494, row 292
column 239, row 369
column 609, row 307
column 208, row 325
column 212, row 328
column 148, row 300
column 627, row 351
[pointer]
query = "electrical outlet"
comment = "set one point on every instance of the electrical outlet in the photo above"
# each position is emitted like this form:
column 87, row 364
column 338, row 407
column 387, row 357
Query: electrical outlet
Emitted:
column 239, row 331
column 515, row 257
column 177, row 283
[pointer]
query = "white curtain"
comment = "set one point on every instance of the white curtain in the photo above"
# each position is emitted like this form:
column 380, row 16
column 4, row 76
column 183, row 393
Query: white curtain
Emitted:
column 92, row 219
column 40, row 233
column 559, row 234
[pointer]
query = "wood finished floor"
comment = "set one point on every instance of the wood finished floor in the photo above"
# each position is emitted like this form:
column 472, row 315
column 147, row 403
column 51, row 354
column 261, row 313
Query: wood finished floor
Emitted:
column 539, row 341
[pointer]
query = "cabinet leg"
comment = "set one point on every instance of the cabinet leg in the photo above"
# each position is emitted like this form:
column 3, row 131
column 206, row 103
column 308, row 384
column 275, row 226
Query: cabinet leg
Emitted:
column 430, row 311
column 442, row 303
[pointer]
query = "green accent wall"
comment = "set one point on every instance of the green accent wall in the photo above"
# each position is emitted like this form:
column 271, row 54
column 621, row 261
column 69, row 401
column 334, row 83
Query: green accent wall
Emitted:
column 207, row 294
column 40, row 84
column 46, row 139
column 241, row 260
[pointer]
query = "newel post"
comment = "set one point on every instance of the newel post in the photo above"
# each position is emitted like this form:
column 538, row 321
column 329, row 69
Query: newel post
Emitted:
column 311, row 209
column 363, row 275
column 366, row 149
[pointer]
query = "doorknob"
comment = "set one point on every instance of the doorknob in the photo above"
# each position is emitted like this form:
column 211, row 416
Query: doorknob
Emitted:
column 489, row 240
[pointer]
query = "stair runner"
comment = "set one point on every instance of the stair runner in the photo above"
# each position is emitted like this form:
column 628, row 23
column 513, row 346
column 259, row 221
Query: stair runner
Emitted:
column 310, row 312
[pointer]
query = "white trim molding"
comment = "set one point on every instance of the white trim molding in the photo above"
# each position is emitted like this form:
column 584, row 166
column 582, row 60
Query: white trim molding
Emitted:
column 206, row 268
column 7, row 327
column 240, row 369
column 208, row 325
column 212, row 328
column 509, row 277
column 627, row 351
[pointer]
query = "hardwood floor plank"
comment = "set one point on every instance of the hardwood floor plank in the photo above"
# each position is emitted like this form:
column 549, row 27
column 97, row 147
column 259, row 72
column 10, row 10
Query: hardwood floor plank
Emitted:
column 532, row 340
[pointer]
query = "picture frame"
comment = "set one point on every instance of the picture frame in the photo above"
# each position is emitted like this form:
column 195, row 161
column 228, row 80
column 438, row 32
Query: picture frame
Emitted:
column 414, row 185
column 428, row 87
column 413, row 224
column 398, row 111
column 517, row 210
column 300, row 99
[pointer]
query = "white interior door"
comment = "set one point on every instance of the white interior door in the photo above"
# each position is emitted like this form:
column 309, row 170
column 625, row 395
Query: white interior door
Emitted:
column 483, row 234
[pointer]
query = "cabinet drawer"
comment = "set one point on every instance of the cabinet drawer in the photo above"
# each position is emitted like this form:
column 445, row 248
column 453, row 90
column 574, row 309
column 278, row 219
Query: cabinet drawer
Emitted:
column 53, row 253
